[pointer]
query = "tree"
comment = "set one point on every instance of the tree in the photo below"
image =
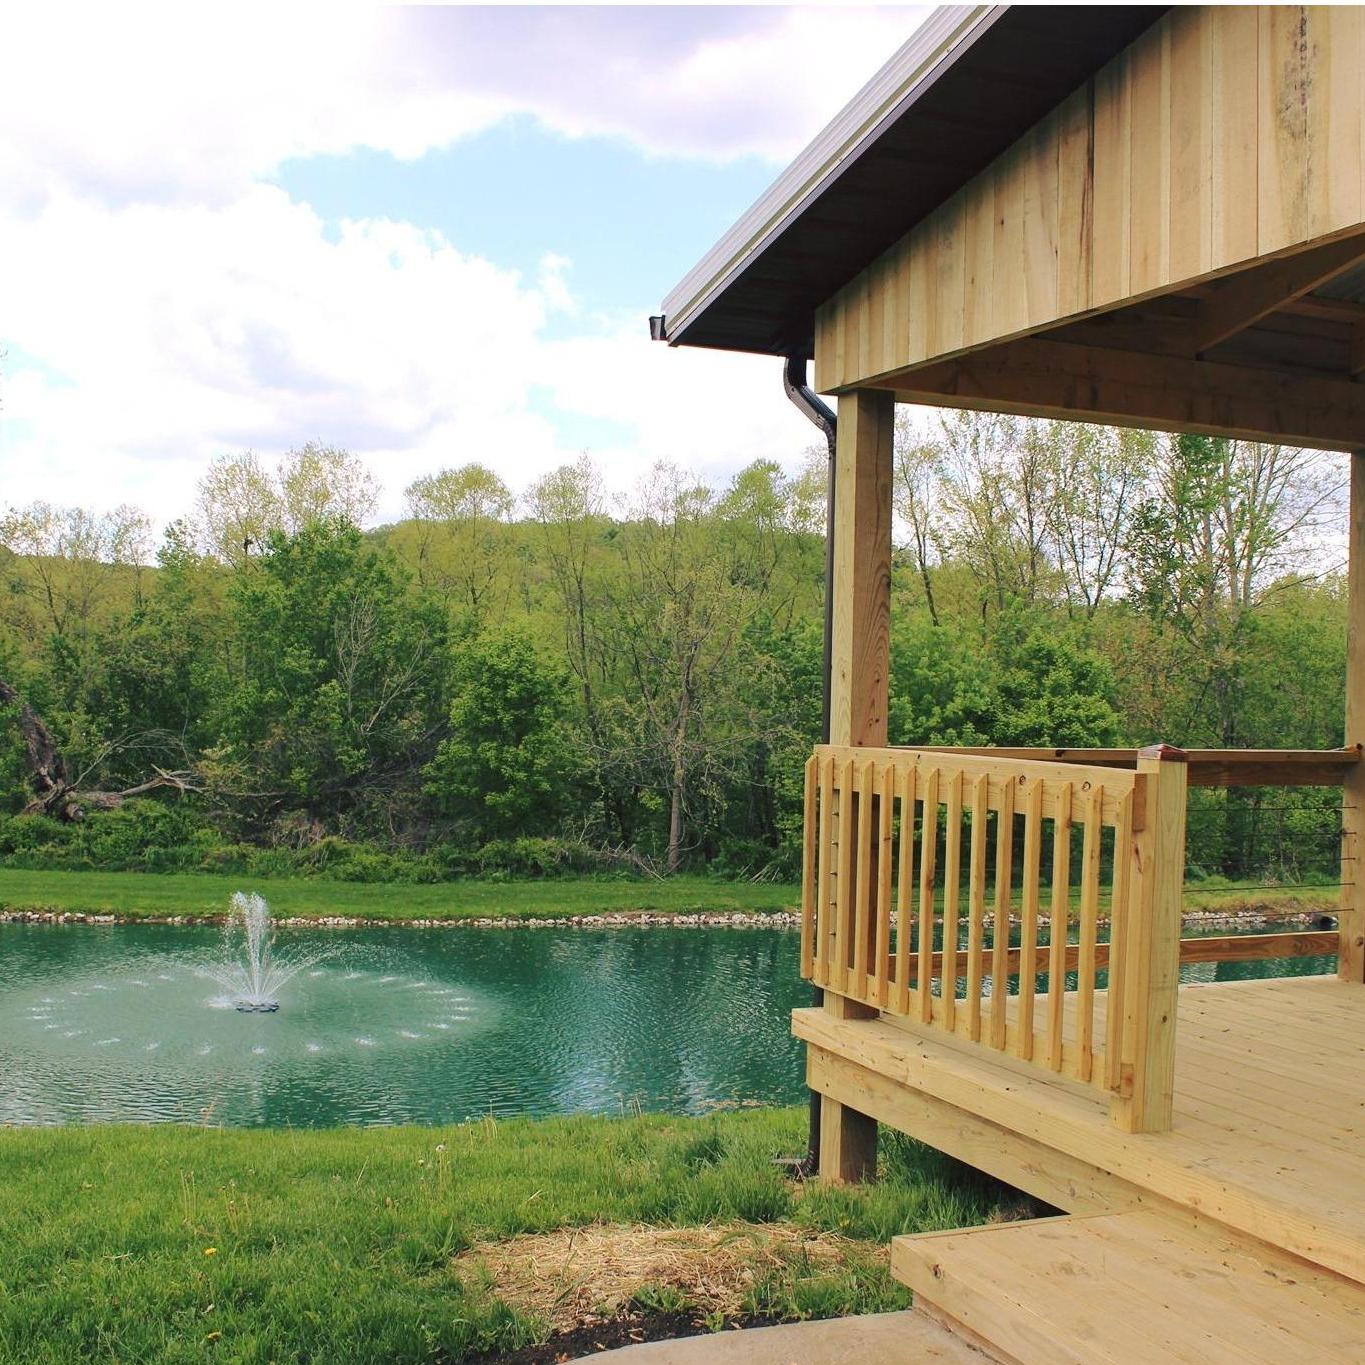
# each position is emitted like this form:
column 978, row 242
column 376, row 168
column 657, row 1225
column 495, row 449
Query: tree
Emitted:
column 1051, row 689
column 339, row 670
column 241, row 504
column 511, row 765
column 1098, row 476
column 569, row 506
column 1229, row 527
column 65, row 566
column 238, row 508
column 917, row 496
column 679, row 611
column 317, row 482
column 941, row 685
column 463, row 548
column 995, row 486
column 157, row 696
column 1228, row 524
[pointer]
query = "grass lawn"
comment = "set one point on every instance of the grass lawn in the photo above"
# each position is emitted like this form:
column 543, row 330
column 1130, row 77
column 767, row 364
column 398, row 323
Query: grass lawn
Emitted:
column 173, row 1244
column 202, row 894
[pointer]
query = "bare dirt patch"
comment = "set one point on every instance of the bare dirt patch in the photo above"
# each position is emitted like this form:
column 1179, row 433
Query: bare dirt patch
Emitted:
column 588, row 1275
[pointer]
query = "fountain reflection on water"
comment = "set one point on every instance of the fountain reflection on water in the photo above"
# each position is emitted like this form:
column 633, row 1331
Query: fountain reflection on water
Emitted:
column 250, row 971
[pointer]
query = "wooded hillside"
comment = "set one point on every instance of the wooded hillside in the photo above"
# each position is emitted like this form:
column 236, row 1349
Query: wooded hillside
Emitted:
column 568, row 678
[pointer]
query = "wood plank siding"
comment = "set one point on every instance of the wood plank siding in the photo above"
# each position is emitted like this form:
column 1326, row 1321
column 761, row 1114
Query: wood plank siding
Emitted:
column 1220, row 137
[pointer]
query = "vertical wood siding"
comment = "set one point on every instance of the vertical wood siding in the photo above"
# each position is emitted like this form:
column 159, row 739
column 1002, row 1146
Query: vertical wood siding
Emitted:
column 1223, row 134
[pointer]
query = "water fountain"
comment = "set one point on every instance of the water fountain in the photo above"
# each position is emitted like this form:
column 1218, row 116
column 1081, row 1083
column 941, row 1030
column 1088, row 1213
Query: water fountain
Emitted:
column 239, row 1025
column 250, row 971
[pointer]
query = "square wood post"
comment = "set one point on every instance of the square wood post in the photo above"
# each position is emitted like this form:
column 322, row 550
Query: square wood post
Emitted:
column 858, row 686
column 1351, row 921
column 1151, row 982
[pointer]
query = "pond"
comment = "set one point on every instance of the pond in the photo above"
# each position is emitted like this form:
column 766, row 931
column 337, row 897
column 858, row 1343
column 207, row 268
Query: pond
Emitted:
column 117, row 1023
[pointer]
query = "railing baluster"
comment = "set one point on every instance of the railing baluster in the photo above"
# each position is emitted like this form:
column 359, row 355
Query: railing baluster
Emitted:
column 1028, row 918
column 809, row 840
column 1059, row 915
column 1118, row 932
column 1085, row 966
column 1000, row 940
column 952, row 895
column 825, row 917
column 862, row 899
column 843, row 917
column 976, row 906
column 928, row 864
column 905, row 882
column 886, row 795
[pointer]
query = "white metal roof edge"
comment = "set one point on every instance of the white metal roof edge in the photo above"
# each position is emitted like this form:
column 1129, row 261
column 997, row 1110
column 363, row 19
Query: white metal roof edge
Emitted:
column 883, row 99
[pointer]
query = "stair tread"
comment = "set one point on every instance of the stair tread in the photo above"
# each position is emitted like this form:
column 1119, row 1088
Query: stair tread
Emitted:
column 1133, row 1286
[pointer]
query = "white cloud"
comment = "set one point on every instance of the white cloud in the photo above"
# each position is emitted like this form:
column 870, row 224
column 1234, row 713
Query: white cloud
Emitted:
column 167, row 334
column 158, row 103
column 160, row 302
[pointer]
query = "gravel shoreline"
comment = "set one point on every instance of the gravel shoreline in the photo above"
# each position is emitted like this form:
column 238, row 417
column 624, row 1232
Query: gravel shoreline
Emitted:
column 719, row 919
column 622, row 919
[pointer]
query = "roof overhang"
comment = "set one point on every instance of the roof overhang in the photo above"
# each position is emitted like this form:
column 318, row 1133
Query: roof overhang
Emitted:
column 968, row 83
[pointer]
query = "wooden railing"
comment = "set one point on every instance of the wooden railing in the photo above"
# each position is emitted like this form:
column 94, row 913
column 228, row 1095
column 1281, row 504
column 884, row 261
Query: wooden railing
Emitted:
column 1340, row 768
column 882, row 927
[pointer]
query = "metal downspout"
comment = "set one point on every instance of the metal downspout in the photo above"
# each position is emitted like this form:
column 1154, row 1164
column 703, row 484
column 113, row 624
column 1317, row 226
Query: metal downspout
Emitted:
column 809, row 402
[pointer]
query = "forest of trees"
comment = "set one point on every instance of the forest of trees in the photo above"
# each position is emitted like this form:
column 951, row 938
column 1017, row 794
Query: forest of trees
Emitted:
column 567, row 679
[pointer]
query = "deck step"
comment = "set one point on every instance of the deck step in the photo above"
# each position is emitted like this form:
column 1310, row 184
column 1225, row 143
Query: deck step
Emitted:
column 1131, row 1287
column 878, row 1339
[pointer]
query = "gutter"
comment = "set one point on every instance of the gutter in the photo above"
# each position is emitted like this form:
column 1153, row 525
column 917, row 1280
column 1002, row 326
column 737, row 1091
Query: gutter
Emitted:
column 822, row 415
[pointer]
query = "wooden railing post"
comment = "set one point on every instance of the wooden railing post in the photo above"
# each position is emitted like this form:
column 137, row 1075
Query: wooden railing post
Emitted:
column 1151, row 929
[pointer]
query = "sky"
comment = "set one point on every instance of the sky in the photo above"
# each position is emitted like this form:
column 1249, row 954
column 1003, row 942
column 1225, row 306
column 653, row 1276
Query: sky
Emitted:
column 428, row 236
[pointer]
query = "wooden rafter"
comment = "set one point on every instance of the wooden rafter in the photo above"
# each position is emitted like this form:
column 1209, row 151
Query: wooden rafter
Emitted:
column 1356, row 365
column 1042, row 378
column 1243, row 300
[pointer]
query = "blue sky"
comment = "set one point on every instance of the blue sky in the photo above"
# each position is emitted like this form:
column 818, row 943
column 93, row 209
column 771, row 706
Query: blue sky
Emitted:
column 630, row 222
column 427, row 235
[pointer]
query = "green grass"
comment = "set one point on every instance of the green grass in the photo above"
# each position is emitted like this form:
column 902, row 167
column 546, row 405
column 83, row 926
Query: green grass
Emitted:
column 174, row 1244
column 202, row 894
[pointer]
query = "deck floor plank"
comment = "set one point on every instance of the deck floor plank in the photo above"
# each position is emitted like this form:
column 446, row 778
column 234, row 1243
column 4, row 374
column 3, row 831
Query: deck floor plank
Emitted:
column 1268, row 1136
column 1134, row 1287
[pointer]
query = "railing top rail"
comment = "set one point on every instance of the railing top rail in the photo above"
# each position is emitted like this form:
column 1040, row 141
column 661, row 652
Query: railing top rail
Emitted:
column 1206, row 767
column 1001, row 769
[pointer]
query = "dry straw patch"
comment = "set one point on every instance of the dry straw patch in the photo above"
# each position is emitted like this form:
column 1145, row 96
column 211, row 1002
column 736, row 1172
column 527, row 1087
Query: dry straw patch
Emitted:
column 576, row 1275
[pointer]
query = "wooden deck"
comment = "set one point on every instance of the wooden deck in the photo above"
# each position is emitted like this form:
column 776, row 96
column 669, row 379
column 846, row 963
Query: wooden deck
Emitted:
column 1237, row 1235
column 1268, row 1136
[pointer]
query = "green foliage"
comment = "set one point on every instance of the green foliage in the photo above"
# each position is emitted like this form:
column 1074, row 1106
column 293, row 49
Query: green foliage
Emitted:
column 14, row 789
column 941, row 686
column 510, row 762
column 342, row 666
column 1027, row 680
column 1051, row 689
column 601, row 683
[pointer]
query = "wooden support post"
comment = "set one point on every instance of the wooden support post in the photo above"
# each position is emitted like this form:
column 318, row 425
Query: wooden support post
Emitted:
column 1351, row 962
column 862, row 569
column 858, row 689
column 1156, row 878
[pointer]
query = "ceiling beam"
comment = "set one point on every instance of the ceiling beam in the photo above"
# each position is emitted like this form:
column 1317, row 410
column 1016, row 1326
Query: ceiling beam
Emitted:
column 1242, row 300
column 1073, row 382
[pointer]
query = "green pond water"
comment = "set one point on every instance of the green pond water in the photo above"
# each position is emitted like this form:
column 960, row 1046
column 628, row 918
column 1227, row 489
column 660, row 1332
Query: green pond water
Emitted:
column 118, row 1023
